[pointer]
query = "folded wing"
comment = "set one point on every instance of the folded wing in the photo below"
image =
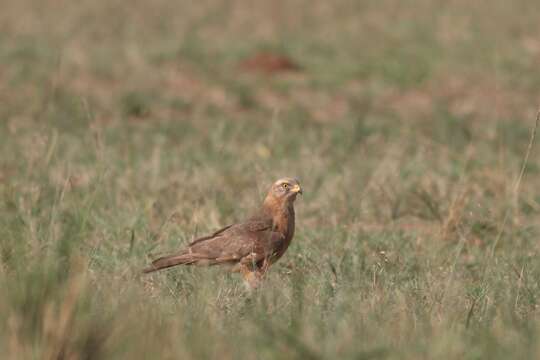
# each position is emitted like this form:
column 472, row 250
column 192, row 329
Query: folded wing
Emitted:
column 249, row 242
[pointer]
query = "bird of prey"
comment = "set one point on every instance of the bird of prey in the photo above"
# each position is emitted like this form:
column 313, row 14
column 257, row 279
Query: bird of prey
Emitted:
column 249, row 247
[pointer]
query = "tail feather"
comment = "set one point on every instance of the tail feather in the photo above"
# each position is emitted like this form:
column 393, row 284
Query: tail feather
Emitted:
column 169, row 261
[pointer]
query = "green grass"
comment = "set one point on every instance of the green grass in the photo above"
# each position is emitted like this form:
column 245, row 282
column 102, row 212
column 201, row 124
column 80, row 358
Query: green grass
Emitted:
column 126, row 131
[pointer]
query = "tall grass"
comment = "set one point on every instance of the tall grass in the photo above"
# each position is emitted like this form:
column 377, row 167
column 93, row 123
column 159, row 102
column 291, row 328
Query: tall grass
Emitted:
column 126, row 131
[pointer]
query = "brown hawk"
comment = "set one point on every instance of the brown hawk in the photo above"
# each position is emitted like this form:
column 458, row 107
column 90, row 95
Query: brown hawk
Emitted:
column 250, row 247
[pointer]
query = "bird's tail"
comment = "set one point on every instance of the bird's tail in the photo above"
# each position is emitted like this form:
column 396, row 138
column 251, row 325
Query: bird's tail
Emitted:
column 169, row 261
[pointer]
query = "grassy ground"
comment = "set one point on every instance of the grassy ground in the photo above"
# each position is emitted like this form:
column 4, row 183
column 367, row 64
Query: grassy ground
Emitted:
column 128, row 129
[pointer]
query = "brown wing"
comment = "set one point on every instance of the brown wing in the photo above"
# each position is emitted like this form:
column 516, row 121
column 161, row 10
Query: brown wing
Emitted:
column 248, row 226
column 239, row 244
column 252, row 241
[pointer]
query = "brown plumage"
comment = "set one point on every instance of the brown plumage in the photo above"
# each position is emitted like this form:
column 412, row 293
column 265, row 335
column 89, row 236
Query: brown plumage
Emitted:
column 250, row 247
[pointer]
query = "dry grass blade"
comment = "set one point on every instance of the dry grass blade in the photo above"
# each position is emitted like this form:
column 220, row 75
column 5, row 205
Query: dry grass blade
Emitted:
column 527, row 154
column 517, row 184
column 58, row 320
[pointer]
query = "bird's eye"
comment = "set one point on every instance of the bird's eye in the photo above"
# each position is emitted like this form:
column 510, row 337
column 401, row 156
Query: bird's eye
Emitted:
column 285, row 186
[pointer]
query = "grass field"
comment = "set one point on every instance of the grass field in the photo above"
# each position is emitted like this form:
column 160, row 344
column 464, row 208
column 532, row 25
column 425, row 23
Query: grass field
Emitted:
column 129, row 128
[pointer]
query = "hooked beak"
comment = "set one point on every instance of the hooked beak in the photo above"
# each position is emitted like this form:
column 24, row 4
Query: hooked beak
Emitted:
column 297, row 189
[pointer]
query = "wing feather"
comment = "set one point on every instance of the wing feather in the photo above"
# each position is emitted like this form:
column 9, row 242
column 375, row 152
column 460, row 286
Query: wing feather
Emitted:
column 251, row 241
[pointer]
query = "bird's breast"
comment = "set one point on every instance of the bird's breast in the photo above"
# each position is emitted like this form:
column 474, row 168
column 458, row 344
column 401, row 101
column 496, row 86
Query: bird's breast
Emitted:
column 284, row 224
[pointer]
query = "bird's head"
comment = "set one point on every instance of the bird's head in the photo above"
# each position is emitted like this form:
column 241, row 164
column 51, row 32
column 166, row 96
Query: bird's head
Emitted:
column 284, row 190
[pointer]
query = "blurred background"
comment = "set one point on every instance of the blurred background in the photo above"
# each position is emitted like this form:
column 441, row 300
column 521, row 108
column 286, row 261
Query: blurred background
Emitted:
column 129, row 128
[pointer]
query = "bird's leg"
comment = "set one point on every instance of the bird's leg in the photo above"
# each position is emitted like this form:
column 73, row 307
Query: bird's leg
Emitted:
column 252, row 277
